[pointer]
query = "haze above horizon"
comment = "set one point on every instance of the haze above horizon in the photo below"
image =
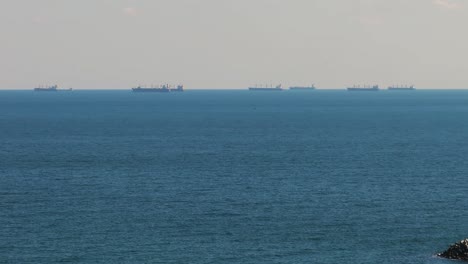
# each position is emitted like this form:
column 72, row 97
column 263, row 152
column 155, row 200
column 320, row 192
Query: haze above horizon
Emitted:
column 233, row 44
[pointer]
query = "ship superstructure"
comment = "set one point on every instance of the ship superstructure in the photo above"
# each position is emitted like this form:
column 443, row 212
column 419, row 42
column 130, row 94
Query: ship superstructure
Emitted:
column 178, row 88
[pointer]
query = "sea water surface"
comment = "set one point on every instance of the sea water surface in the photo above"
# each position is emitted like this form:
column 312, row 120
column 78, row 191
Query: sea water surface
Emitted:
column 232, row 176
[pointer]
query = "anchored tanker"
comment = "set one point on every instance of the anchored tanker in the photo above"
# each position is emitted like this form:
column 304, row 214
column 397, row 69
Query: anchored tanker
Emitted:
column 276, row 88
column 53, row 88
column 402, row 88
column 312, row 87
column 161, row 89
column 364, row 88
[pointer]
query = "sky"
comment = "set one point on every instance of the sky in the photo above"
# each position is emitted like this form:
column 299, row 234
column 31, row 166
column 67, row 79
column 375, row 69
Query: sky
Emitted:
column 118, row 44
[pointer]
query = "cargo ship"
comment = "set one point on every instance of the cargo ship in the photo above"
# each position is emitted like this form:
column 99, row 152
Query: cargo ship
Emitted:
column 364, row 88
column 53, row 88
column 140, row 89
column 402, row 88
column 312, row 87
column 161, row 89
column 276, row 88
column 166, row 88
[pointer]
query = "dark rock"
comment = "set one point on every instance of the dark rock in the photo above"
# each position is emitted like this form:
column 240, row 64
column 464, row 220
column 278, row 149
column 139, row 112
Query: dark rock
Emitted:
column 456, row 251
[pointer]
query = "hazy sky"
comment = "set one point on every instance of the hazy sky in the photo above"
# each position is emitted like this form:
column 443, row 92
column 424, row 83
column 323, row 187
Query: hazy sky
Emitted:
column 233, row 43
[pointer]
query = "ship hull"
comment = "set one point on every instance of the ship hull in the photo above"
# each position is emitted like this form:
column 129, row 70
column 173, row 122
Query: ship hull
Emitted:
column 363, row 89
column 150, row 90
column 52, row 90
column 45, row 90
column 301, row 88
column 265, row 89
column 401, row 89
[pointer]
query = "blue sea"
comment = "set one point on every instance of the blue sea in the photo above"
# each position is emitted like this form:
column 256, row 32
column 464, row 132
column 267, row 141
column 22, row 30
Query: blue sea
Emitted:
column 232, row 176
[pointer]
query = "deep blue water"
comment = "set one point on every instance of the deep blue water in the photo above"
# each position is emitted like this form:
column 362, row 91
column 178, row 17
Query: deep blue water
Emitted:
column 232, row 176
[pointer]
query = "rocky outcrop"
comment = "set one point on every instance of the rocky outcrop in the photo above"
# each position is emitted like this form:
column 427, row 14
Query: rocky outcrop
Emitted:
column 456, row 251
